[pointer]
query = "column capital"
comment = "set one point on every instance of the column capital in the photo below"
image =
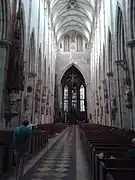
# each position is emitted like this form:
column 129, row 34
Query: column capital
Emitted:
column 5, row 43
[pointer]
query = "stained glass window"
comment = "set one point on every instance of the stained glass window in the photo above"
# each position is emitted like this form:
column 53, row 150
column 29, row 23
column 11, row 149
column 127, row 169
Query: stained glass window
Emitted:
column 66, row 43
column 82, row 98
column 79, row 43
column 66, row 98
column 74, row 97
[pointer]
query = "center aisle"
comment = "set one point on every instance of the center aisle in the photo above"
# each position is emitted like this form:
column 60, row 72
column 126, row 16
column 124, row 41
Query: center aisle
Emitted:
column 60, row 162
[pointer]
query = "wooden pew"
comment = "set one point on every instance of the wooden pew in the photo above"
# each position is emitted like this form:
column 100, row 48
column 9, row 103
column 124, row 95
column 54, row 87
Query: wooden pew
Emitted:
column 53, row 128
column 110, row 141
column 119, row 170
column 117, row 152
column 7, row 159
column 6, row 137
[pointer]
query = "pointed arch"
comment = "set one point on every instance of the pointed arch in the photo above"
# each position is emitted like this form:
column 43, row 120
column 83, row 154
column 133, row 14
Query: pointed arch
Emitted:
column 74, row 90
column 121, row 52
column 39, row 62
column 132, row 36
column 104, row 59
column 4, row 18
column 123, row 73
column 132, row 17
column 31, row 62
column 110, row 61
column 73, row 70
column 67, row 67
column 15, row 76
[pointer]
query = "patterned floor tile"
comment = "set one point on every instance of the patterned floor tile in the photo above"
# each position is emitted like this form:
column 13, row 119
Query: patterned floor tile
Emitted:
column 64, row 162
column 40, row 175
column 59, row 163
column 63, row 165
column 43, row 169
column 50, row 161
column 61, row 169
column 59, row 175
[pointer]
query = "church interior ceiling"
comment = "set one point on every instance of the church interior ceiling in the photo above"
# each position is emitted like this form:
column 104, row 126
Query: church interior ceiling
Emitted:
column 72, row 15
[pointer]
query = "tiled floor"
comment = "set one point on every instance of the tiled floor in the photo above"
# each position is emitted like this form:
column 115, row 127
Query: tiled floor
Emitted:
column 64, row 161
column 59, row 163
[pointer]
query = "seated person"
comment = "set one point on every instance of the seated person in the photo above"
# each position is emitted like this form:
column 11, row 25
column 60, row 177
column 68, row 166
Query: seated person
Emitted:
column 131, row 152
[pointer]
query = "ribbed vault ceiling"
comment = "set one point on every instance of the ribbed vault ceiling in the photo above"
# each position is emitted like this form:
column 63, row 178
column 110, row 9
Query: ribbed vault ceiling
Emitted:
column 68, row 15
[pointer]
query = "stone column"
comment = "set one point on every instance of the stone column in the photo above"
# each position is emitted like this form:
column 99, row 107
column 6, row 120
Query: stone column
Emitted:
column 78, row 98
column 4, row 52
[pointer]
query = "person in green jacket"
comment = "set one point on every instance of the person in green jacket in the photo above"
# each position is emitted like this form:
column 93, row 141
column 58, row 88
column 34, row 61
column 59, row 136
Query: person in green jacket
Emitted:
column 21, row 137
column 131, row 151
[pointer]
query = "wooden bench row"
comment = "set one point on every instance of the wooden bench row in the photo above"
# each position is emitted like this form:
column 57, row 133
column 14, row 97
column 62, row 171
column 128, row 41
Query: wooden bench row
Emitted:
column 39, row 140
column 102, row 144
column 53, row 128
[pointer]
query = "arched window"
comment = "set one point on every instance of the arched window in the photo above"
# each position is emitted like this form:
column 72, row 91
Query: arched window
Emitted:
column 121, row 39
column 132, row 25
column 132, row 18
column 73, row 85
column 103, row 60
column 45, row 69
column 3, row 19
column 15, row 76
column 66, row 98
column 123, row 75
column 31, row 63
column 79, row 43
column 49, row 75
column 66, row 43
column 100, row 74
column 82, row 98
column 110, row 63
column 60, row 45
column 39, row 64
column 86, row 46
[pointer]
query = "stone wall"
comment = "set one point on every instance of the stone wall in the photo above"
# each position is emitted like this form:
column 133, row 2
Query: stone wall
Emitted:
column 64, row 61
column 39, row 52
column 111, row 62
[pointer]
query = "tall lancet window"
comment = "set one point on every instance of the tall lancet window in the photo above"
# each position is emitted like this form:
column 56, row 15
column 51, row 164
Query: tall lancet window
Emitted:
column 66, row 98
column 66, row 43
column 82, row 98
column 79, row 43
column 31, row 62
column 132, row 18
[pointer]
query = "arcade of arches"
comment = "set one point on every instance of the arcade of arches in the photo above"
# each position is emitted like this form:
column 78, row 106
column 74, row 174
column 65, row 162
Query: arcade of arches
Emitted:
column 65, row 57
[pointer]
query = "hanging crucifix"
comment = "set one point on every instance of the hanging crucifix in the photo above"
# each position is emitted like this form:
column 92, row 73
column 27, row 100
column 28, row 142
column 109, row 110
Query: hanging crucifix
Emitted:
column 72, row 79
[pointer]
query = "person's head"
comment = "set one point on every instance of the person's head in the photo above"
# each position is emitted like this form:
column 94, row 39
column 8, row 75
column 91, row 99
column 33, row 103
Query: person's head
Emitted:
column 133, row 142
column 25, row 122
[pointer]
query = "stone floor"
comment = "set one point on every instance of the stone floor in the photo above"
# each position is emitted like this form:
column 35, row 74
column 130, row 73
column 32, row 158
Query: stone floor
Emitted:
column 64, row 161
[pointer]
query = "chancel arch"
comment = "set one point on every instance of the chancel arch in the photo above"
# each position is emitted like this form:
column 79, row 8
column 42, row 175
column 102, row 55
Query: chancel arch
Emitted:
column 74, row 92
